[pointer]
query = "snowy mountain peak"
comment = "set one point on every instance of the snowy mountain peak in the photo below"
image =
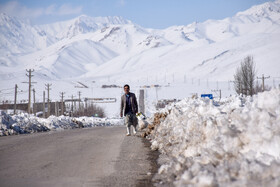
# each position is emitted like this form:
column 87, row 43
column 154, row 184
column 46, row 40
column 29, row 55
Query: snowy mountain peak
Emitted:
column 108, row 20
column 9, row 20
column 4, row 17
column 17, row 35
column 263, row 10
column 80, row 25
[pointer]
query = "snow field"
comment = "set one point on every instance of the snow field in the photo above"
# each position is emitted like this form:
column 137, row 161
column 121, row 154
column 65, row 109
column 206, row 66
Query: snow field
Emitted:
column 25, row 123
column 234, row 144
column 114, row 48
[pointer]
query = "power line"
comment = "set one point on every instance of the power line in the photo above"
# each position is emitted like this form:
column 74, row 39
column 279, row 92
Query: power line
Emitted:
column 22, row 92
column 7, row 89
column 10, row 93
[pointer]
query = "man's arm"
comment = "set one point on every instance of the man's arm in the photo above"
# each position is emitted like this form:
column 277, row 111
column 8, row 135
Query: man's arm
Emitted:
column 135, row 103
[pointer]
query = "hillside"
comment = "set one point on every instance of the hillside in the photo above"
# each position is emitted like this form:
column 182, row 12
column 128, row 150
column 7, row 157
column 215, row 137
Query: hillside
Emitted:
column 112, row 49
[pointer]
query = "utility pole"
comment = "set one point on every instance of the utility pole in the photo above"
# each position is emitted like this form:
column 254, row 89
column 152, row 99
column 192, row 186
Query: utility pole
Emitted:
column 263, row 77
column 55, row 108
column 15, row 101
column 44, row 105
column 29, row 75
column 156, row 93
column 86, row 101
column 79, row 93
column 220, row 92
column 274, row 82
column 49, row 105
column 72, row 98
column 62, row 104
column 34, row 103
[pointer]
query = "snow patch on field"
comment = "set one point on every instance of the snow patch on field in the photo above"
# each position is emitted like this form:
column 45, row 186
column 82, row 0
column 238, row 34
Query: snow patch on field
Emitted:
column 25, row 123
column 234, row 144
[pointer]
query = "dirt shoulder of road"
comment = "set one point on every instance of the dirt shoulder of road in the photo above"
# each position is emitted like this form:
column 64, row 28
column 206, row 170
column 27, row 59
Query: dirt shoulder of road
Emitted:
column 135, row 166
column 154, row 166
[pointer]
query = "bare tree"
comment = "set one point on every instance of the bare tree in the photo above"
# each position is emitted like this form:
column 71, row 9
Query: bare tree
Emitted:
column 244, row 77
column 90, row 110
column 238, row 81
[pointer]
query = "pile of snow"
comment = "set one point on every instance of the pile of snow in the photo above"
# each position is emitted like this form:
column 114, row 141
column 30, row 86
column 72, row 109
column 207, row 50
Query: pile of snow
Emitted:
column 25, row 123
column 234, row 144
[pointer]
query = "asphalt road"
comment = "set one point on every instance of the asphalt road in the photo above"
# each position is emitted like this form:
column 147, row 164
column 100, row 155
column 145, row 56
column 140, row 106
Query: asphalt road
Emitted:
column 99, row 156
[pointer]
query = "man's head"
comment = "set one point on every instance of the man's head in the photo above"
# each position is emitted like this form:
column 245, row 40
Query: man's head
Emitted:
column 126, row 88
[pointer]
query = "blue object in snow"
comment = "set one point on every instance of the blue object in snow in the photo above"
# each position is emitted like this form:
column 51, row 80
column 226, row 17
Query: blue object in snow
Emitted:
column 210, row 96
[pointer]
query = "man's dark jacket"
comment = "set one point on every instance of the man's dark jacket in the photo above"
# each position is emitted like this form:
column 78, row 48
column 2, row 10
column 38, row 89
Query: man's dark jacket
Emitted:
column 133, row 101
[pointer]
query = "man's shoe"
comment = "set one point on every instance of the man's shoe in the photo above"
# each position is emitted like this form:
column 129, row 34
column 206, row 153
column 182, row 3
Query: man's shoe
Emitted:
column 128, row 134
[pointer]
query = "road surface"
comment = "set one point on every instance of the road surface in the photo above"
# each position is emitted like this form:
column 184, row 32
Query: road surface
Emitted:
column 99, row 156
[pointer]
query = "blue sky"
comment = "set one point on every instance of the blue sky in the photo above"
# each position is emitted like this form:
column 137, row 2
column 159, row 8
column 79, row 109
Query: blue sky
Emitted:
column 147, row 13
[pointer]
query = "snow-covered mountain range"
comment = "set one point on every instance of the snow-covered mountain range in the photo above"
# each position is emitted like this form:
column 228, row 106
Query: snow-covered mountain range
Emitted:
column 106, row 46
column 103, row 48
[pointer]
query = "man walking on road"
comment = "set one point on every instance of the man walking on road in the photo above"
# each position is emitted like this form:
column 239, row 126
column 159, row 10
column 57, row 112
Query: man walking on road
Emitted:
column 129, row 107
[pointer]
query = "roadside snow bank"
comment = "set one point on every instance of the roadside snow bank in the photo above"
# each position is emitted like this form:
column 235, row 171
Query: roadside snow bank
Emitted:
column 234, row 144
column 25, row 123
